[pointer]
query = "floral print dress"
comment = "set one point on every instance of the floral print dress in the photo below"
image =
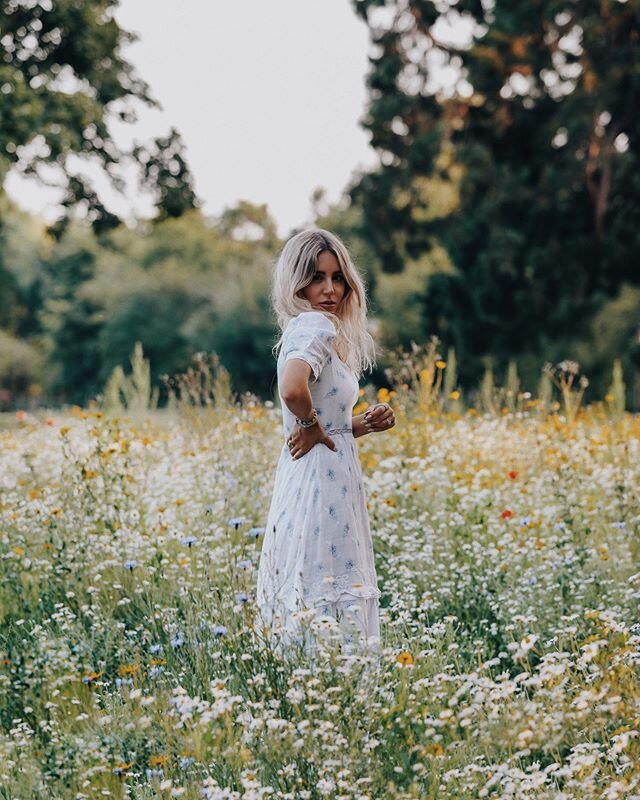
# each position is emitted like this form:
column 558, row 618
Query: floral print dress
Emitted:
column 317, row 555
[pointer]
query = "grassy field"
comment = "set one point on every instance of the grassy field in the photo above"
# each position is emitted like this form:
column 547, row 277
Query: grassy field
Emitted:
column 131, row 664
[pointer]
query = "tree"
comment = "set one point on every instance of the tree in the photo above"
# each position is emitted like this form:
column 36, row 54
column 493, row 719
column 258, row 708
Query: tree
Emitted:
column 166, row 174
column 518, row 151
column 63, row 77
column 71, row 318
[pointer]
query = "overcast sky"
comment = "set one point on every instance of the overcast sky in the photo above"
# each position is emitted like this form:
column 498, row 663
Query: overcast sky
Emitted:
column 267, row 97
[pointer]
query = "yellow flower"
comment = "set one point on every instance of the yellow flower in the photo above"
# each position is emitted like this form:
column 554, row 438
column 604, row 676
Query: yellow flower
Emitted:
column 360, row 392
column 64, row 429
column 157, row 761
column 19, row 551
column 441, row 364
column 454, row 395
column 383, row 395
column 404, row 658
column 128, row 669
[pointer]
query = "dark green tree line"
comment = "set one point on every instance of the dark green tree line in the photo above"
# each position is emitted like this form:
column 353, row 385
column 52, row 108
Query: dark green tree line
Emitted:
column 518, row 152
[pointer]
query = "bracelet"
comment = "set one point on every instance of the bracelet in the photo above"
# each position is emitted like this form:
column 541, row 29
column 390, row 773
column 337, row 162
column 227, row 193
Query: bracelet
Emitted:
column 307, row 423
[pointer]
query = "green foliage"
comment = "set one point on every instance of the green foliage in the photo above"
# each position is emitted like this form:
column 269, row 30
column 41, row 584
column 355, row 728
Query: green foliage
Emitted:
column 524, row 168
column 166, row 173
column 178, row 286
column 70, row 317
column 63, row 77
column 20, row 367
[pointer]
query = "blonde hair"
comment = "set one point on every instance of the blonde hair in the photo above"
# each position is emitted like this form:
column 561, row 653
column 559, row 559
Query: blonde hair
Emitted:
column 294, row 270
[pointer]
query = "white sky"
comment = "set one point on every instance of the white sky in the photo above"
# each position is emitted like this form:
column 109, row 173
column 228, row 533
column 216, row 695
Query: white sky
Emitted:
column 267, row 97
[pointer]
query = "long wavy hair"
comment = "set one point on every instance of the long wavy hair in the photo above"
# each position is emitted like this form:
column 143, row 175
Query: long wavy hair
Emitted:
column 294, row 270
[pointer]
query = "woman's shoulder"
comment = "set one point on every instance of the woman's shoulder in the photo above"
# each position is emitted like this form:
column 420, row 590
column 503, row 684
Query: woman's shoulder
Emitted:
column 312, row 320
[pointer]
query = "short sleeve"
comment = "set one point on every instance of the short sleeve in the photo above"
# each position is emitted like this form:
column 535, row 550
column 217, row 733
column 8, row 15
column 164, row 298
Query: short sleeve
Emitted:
column 308, row 337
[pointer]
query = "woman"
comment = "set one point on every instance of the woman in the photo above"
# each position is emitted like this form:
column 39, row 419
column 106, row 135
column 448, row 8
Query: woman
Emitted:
column 317, row 556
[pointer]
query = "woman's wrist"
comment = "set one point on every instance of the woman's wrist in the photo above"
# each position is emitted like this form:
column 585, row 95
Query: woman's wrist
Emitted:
column 358, row 427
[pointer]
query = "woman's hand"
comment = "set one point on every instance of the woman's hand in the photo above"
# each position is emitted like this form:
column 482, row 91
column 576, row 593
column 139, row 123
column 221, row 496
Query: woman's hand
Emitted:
column 379, row 418
column 302, row 440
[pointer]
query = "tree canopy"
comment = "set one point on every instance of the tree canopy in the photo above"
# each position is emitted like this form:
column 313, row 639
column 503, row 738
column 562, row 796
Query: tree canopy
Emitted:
column 63, row 79
column 517, row 151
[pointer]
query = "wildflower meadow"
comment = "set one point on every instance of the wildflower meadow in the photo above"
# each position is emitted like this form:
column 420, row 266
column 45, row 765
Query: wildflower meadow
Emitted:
column 133, row 665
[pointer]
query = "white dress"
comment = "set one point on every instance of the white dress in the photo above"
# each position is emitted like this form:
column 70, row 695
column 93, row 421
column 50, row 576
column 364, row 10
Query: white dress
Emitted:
column 317, row 554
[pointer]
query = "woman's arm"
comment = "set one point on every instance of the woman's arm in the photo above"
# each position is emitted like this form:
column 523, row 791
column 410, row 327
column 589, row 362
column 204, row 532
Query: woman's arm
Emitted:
column 294, row 388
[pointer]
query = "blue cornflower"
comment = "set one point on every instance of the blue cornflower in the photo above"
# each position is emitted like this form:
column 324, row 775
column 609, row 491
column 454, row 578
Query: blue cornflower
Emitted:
column 219, row 630
column 245, row 563
column 255, row 532
column 177, row 641
column 236, row 522
column 242, row 597
column 155, row 648
column 622, row 524
column 130, row 564
column 153, row 773
column 189, row 540
column 155, row 671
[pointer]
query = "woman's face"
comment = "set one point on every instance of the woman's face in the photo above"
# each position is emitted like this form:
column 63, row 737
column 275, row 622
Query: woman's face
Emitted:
column 328, row 285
